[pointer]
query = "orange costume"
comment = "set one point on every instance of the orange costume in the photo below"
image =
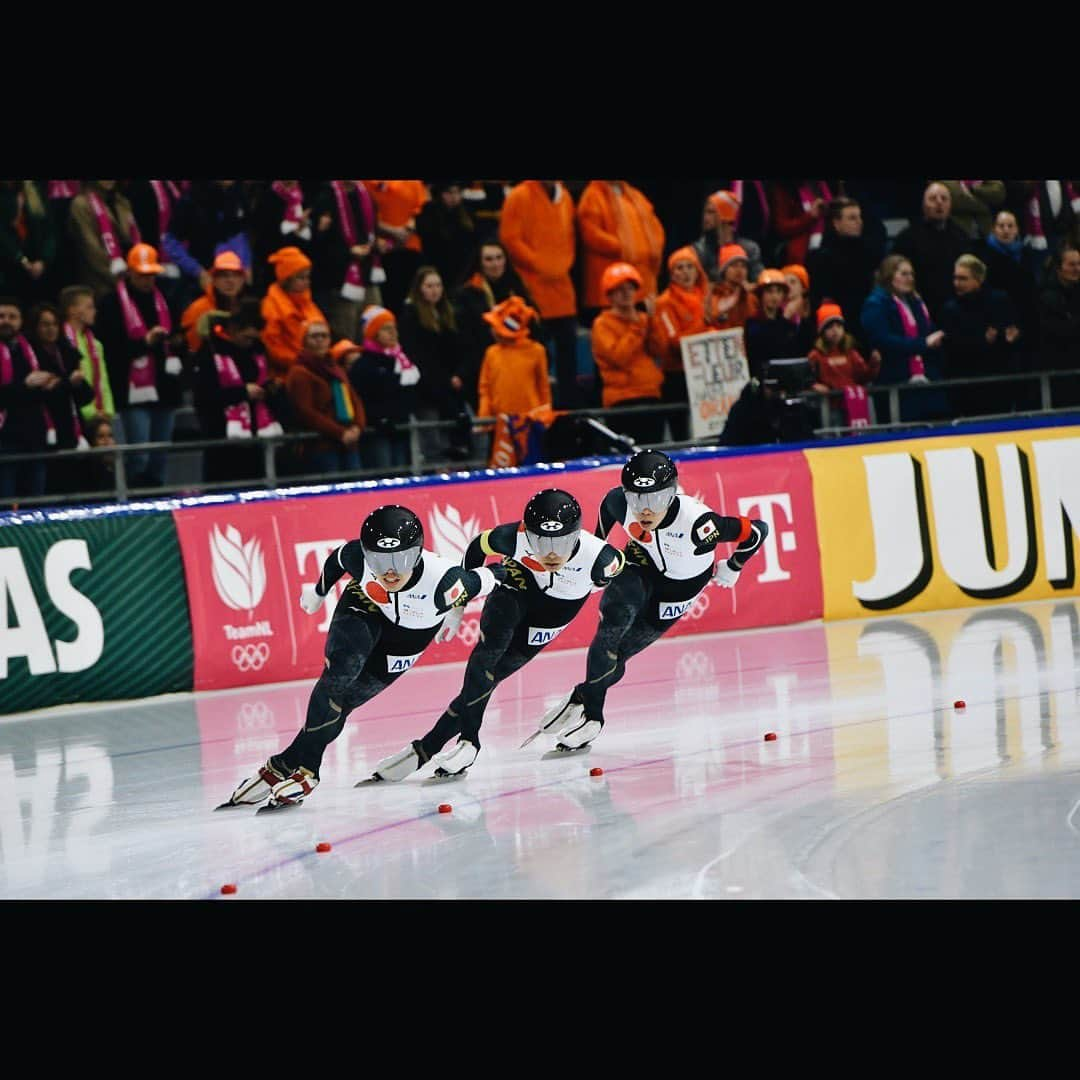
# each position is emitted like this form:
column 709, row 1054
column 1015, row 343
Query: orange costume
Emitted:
column 398, row 202
column 614, row 228
column 539, row 235
column 679, row 312
column 514, row 374
column 286, row 313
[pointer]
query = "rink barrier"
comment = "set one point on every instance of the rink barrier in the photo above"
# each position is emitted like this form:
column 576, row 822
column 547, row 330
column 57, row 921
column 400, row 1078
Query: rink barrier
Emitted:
column 885, row 525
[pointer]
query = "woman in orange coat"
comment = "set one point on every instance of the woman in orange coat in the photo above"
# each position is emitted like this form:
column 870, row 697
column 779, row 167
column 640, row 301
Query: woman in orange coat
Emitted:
column 398, row 202
column 618, row 224
column 286, row 307
column 630, row 376
column 680, row 311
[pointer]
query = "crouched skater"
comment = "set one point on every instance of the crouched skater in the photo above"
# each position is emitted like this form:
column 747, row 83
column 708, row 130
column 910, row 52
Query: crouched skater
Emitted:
column 551, row 568
column 396, row 604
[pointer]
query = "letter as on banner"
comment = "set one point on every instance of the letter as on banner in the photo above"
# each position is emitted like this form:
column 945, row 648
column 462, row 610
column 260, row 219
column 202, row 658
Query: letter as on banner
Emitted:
column 716, row 372
column 27, row 637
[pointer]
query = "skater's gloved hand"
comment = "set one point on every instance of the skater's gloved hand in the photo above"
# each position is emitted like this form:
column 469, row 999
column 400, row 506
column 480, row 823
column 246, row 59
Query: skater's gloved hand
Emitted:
column 448, row 630
column 724, row 575
column 310, row 600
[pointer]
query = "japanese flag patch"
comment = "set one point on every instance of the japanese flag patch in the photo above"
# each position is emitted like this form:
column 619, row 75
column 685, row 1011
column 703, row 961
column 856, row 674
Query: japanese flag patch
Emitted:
column 612, row 567
column 706, row 531
column 453, row 594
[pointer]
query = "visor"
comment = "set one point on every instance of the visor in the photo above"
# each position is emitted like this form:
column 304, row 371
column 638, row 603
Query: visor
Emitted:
column 401, row 562
column 656, row 501
column 541, row 545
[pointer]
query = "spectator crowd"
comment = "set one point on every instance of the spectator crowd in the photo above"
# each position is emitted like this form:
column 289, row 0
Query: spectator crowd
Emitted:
column 344, row 307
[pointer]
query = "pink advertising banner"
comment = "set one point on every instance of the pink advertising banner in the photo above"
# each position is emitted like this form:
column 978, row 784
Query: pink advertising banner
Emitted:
column 245, row 561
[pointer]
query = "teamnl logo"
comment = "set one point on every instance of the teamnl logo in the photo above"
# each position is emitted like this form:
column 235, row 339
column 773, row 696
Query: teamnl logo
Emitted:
column 239, row 571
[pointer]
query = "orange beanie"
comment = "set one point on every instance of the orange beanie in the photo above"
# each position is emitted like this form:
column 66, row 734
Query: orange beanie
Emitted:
column 616, row 274
column 800, row 272
column 685, row 254
column 828, row 313
column 374, row 317
column 729, row 253
column 725, row 204
column 288, row 261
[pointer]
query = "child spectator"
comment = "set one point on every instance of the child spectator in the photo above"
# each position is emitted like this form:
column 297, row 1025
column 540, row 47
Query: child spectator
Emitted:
column 797, row 308
column 838, row 365
column 680, row 311
column 514, row 375
column 287, row 307
column 628, row 374
column 729, row 303
column 324, row 400
column 386, row 379
column 78, row 312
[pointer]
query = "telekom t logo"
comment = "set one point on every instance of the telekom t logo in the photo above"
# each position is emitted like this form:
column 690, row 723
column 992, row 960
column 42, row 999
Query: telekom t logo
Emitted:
column 310, row 568
column 761, row 507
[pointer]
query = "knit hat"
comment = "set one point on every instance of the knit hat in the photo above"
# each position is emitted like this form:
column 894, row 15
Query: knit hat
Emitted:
column 288, row 261
column 729, row 253
column 616, row 274
column 686, row 254
column 725, row 204
column 227, row 260
column 511, row 318
column 375, row 317
column 771, row 277
column 800, row 272
column 828, row 313
column 340, row 348
column 143, row 259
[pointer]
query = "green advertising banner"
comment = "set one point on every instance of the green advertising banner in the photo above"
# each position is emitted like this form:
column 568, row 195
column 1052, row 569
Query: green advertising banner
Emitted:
column 93, row 610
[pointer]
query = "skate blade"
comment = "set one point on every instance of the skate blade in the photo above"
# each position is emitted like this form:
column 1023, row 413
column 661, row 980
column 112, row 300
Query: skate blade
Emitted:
column 570, row 751
column 535, row 735
column 234, row 806
column 274, row 807
column 434, row 781
column 370, row 780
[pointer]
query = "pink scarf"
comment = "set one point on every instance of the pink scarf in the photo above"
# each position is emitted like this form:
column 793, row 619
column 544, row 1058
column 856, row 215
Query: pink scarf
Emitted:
column 407, row 372
column 293, row 221
column 911, row 329
column 164, row 192
column 1033, row 226
column 238, row 416
column 353, row 288
column 856, row 406
column 807, row 195
column 7, row 374
column 95, row 360
column 63, row 189
column 142, row 384
column 108, row 235
column 737, row 190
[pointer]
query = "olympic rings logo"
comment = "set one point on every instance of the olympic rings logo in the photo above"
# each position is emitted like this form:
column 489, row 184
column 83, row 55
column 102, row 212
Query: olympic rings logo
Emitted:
column 250, row 657
column 699, row 607
column 469, row 632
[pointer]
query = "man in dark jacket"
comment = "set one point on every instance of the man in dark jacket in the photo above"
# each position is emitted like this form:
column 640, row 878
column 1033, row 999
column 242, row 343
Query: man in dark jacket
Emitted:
column 933, row 244
column 980, row 332
column 1059, row 317
column 842, row 269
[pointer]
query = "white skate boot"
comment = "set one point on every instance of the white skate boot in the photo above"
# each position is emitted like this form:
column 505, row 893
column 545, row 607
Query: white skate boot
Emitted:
column 293, row 790
column 397, row 766
column 255, row 789
column 455, row 761
column 564, row 715
column 577, row 738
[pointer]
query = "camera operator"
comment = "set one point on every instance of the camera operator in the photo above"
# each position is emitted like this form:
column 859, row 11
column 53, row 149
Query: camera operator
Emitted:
column 770, row 410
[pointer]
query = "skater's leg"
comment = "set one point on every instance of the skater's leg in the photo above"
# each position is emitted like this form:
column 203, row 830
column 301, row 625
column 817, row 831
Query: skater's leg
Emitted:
column 499, row 620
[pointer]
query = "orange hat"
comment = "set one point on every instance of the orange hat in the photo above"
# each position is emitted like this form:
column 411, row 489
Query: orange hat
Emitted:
column 340, row 348
column 374, row 317
column 828, row 313
column 729, row 253
column 726, row 205
column 288, row 261
column 686, row 254
column 771, row 277
column 511, row 318
column 800, row 272
column 143, row 259
column 616, row 274
column 227, row 260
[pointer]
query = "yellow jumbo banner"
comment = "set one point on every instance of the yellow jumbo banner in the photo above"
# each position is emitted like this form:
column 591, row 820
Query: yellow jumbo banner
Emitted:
column 954, row 521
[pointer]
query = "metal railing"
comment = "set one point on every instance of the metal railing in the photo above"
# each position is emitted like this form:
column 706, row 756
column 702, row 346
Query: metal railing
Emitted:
column 273, row 476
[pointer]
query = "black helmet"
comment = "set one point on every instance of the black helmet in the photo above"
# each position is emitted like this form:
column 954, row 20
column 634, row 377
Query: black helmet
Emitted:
column 552, row 521
column 649, row 480
column 393, row 539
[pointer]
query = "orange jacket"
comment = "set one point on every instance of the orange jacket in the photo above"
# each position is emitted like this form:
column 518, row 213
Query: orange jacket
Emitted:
column 746, row 307
column 189, row 321
column 618, row 228
column 626, row 369
column 514, row 378
column 679, row 312
column 397, row 202
column 539, row 235
column 285, row 315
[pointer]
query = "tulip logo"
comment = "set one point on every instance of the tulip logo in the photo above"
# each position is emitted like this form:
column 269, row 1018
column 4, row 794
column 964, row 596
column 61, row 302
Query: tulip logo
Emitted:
column 451, row 535
column 239, row 569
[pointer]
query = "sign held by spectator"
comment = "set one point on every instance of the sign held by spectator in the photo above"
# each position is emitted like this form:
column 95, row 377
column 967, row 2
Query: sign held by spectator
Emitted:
column 716, row 372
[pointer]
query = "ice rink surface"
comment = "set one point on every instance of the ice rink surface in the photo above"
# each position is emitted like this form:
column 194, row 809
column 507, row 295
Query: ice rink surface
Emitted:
column 876, row 787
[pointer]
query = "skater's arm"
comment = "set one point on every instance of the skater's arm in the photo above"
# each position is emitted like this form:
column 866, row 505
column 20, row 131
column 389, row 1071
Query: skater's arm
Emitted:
column 612, row 512
column 349, row 558
column 502, row 540
column 711, row 529
column 608, row 565
column 458, row 586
